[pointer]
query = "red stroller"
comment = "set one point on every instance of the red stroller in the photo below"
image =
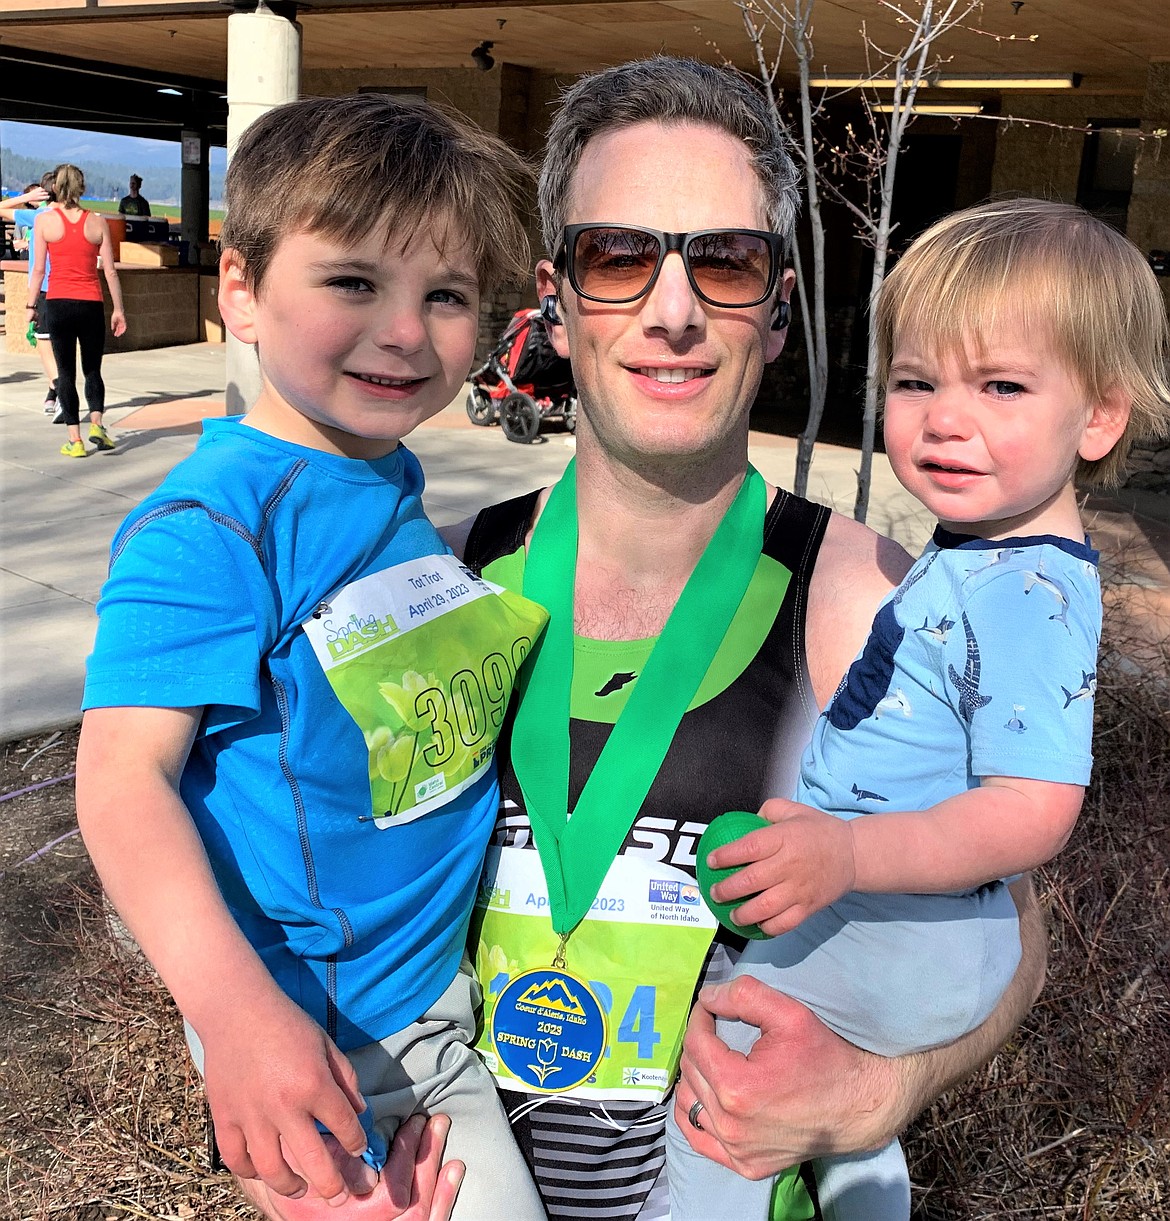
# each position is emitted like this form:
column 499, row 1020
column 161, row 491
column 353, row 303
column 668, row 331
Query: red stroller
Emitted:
column 523, row 381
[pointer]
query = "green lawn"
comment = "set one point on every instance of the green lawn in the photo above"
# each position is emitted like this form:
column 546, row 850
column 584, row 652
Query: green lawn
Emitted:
column 170, row 211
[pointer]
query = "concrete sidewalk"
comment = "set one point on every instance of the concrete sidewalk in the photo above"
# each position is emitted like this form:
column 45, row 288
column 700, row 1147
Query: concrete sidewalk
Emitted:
column 60, row 514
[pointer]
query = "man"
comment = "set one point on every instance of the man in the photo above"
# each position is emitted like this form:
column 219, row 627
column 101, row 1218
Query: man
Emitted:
column 134, row 204
column 664, row 187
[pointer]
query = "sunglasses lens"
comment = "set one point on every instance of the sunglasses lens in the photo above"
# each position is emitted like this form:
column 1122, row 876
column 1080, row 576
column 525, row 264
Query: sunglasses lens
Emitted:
column 732, row 267
column 614, row 264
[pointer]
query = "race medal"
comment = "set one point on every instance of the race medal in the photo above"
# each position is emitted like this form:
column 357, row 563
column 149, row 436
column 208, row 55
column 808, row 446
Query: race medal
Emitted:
column 549, row 1030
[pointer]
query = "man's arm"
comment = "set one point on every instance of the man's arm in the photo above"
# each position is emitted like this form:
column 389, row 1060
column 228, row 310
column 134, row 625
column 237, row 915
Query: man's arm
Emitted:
column 803, row 1092
column 270, row 1071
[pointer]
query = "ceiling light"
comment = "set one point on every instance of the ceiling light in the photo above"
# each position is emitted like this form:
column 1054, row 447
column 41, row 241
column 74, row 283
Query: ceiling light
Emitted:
column 1056, row 80
column 940, row 108
column 1066, row 80
column 483, row 61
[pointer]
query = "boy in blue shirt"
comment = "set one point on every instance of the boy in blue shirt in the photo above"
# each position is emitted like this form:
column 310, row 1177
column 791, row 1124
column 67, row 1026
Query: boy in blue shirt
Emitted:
column 286, row 774
column 1023, row 345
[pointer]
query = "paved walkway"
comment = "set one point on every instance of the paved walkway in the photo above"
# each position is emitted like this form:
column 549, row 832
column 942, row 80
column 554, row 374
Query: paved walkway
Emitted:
column 59, row 515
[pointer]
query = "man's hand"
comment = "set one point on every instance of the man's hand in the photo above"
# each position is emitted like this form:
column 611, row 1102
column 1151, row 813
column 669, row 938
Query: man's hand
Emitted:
column 271, row 1074
column 803, row 862
column 414, row 1184
column 801, row 1092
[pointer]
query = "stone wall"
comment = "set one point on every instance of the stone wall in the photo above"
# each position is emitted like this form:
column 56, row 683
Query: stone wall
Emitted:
column 1046, row 161
column 162, row 307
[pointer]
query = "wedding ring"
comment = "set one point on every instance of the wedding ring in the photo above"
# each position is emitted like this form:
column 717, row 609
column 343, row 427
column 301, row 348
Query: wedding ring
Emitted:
column 693, row 1115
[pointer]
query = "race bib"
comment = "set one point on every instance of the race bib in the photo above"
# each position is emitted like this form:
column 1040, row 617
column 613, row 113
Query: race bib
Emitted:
column 424, row 656
column 640, row 950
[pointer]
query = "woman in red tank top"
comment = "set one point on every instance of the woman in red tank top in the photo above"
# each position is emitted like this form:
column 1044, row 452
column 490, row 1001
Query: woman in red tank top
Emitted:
column 73, row 306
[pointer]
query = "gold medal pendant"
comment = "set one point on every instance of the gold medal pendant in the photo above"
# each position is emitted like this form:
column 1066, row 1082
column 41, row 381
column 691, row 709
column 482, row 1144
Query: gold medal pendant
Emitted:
column 548, row 1027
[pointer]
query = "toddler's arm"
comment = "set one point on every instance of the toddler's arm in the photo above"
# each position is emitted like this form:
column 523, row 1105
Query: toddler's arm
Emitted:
column 807, row 859
column 270, row 1070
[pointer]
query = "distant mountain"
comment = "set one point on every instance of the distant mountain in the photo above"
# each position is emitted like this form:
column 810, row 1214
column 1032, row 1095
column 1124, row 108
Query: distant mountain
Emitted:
column 59, row 144
column 107, row 160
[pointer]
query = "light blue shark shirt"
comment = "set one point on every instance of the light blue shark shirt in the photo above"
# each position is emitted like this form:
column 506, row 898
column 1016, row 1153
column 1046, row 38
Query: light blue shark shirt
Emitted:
column 981, row 663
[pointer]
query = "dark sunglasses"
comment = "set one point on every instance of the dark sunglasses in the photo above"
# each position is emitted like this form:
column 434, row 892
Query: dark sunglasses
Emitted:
column 616, row 264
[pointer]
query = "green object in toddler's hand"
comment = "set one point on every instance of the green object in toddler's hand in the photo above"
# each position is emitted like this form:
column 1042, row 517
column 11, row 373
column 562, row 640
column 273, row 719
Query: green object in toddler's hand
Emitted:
column 31, row 334
column 723, row 830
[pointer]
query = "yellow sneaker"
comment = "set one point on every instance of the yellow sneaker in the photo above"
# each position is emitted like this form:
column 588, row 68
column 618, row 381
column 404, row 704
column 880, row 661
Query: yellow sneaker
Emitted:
column 99, row 438
column 74, row 449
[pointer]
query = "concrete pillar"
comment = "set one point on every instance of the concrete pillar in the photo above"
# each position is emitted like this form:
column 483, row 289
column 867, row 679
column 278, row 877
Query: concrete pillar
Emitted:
column 264, row 70
column 196, row 188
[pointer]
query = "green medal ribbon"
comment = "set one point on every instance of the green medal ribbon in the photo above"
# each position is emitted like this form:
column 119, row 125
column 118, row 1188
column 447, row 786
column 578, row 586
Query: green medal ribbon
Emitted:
column 576, row 851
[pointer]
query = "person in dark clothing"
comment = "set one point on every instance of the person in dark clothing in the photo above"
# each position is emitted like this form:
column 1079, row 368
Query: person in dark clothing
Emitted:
column 134, row 204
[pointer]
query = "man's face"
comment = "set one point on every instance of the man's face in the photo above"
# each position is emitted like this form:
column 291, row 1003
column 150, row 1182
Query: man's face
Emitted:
column 666, row 375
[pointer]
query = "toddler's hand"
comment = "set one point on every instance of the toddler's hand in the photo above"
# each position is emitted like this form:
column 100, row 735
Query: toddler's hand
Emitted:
column 271, row 1074
column 803, row 862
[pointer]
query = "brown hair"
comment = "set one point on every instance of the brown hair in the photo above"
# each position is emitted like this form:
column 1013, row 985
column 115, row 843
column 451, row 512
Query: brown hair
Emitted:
column 347, row 165
column 671, row 91
column 68, row 185
column 1056, row 273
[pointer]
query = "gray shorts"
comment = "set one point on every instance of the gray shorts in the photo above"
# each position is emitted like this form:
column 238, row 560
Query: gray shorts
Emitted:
column 430, row 1068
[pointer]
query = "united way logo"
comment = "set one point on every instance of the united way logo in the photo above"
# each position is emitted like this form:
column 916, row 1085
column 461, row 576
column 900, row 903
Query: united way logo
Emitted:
column 549, row 1030
column 666, row 890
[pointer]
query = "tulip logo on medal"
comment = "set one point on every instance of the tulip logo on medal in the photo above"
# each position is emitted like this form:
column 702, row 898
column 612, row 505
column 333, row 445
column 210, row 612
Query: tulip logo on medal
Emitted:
column 549, row 1030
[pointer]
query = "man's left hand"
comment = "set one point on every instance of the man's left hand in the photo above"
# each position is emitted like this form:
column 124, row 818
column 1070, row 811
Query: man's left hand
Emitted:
column 801, row 1092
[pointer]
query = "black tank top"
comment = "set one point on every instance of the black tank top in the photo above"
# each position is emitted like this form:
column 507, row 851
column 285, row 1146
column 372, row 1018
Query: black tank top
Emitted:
column 739, row 747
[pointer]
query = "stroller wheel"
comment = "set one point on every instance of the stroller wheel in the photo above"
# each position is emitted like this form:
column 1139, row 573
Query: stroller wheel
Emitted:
column 520, row 418
column 480, row 408
column 570, row 414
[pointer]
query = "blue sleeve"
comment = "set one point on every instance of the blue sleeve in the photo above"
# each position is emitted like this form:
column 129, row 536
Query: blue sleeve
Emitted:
column 1020, row 669
column 184, row 620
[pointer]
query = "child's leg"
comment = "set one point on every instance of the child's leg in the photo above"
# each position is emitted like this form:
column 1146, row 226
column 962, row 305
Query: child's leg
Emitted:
column 430, row 1067
column 866, row 1187
column 703, row 1190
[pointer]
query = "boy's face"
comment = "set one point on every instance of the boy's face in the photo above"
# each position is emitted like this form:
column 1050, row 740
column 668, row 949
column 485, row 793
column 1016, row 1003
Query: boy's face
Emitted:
column 988, row 437
column 357, row 345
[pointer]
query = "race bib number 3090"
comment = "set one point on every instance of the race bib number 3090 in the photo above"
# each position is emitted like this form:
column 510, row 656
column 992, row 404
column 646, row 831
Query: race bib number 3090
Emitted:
column 424, row 656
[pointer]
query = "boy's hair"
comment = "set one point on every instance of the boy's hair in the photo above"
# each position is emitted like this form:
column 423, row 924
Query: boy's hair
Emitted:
column 671, row 91
column 135, row 179
column 1056, row 273
column 68, row 185
column 49, row 183
column 343, row 166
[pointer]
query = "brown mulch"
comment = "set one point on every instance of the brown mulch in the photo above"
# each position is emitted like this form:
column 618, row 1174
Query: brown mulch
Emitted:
column 1072, row 1118
column 101, row 1114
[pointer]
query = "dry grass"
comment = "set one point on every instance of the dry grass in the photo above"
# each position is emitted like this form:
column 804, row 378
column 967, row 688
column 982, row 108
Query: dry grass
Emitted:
column 118, row 1130
column 1072, row 1118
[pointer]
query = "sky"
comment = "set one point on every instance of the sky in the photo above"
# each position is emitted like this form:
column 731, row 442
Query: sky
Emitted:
column 67, row 144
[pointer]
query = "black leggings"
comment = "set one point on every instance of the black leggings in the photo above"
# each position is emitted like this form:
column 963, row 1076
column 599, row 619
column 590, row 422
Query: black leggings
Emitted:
column 74, row 324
